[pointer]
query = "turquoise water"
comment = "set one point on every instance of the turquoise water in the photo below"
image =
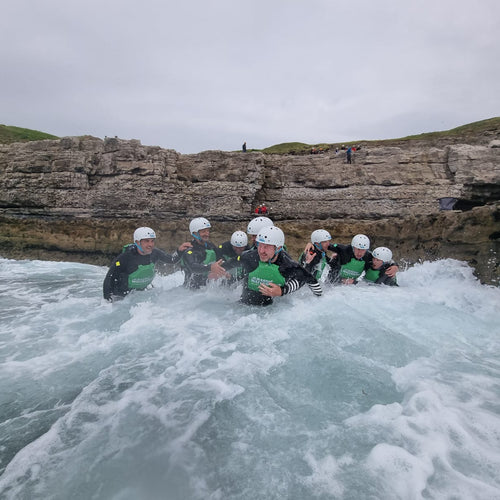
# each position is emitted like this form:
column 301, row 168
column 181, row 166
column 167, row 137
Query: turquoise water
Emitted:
column 367, row 392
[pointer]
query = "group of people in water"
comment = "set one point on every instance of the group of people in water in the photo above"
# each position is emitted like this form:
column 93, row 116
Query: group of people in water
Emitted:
column 261, row 262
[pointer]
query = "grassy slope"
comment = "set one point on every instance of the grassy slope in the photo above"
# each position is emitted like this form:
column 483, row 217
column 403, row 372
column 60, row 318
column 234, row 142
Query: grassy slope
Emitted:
column 475, row 128
column 10, row 134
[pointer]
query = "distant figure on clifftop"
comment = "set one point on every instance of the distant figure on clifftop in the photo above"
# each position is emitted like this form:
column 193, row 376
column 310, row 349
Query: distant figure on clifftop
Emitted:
column 348, row 155
column 244, row 147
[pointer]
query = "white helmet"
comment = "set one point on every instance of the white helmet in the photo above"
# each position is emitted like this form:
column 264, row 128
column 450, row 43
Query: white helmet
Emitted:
column 197, row 224
column 239, row 239
column 271, row 235
column 361, row 241
column 319, row 236
column 142, row 233
column 255, row 225
column 382, row 253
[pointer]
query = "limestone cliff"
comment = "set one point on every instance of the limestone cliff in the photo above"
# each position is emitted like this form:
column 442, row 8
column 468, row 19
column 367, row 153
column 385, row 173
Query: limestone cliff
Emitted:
column 80, row 198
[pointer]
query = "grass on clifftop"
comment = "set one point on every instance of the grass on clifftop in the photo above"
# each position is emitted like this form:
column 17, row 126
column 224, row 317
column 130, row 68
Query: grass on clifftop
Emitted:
column 9, row 134
column 474, row 128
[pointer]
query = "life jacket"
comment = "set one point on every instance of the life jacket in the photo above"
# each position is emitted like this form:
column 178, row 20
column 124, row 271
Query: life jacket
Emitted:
column 321, row 269
column 372, row 274
column 128, row 246
column 142, row 276
column 209, row 256
column 265, row 273
column 352, row 269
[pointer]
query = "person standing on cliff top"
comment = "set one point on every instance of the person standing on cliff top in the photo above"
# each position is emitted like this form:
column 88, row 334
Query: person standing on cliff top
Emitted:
column 244, row 147
column 348, row 155
column 134, row 268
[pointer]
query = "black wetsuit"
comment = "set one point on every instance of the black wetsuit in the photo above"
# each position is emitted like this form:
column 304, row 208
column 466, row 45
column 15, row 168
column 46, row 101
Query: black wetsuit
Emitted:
column 131, row 270
column 230, row 257
column 196, row 263
column 284, row 271
column 345, row 265
column 317, row 264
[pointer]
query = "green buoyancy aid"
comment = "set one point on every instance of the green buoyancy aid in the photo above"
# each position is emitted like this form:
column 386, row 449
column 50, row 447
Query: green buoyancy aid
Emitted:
column 319, row 268
column 141, row 277
column 352, row 269
column 209, row 256
column 265, row 273
column 372, row 274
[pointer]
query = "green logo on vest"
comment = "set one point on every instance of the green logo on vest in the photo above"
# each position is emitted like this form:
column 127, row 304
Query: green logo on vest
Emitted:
column 265, row 273
column 141, row 277
column 352, row 269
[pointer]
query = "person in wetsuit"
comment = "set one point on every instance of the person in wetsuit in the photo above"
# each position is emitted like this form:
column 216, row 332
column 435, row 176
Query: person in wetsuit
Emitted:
column 134, row 268
column 268, row 271
column 376, row 270
column 314, row 259
column 348, row 261
column 200, row 263
column 229, row 252
column 254, row 226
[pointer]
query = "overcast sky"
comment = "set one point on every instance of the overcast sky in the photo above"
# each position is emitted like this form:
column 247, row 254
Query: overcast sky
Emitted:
column 193, row 75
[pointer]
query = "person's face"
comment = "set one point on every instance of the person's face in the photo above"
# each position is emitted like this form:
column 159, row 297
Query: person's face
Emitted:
column 266, row 251
column 377, row 263
column 253, row 237
column 238, row 250
column 204, row 234
column 147, row 245
column 358, row 253
column 324, row 245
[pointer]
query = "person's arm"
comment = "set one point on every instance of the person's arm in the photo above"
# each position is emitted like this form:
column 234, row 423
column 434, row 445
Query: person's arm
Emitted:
column 115, row 282
column 107, row 286
column 392, row 270
column 190, row 259
column 309, row 260
column 388, row 275
column 215, row 269
column 295, row 277
column 160, row 255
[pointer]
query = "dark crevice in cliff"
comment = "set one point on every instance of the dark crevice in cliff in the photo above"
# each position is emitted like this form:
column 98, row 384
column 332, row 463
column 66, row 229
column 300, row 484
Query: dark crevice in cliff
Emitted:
column 478, row 195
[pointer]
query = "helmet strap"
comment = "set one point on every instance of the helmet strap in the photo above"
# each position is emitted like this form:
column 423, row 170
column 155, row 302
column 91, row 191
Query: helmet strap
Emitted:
column 139, row 247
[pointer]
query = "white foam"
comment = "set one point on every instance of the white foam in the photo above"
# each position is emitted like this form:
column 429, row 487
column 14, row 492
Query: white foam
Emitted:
column 194, row 393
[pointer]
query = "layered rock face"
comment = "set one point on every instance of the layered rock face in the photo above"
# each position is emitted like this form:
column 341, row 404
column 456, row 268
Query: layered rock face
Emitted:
column 81, row 198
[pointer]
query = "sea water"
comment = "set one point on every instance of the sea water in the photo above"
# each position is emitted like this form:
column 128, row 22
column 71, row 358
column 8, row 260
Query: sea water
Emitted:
column 369, row 392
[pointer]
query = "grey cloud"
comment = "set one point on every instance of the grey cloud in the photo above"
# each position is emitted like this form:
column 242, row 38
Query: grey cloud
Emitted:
column 209, row 75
